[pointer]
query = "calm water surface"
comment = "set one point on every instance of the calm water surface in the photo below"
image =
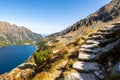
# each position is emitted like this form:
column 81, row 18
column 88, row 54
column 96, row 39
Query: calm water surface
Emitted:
column 12, row 56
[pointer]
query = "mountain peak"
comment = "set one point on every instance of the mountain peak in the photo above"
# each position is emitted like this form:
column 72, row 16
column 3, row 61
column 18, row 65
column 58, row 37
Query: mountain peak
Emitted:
column 106, row 13
column 12, row 34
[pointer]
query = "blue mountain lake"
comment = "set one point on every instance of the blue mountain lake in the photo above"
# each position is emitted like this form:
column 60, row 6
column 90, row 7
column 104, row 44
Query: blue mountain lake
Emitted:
column 12, row 56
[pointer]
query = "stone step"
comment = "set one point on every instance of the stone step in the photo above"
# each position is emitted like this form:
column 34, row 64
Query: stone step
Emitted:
column 104, row 30
column 89, row 50
column 86, row 67
column 108, row 29
column 94, row 37
column 110, row 47
column 110, row 26
column 102, row 33
column 80, row 76
column 92, row 42
column 106, row 41
column 100, row 41
column 89, row 46
column 86, row 57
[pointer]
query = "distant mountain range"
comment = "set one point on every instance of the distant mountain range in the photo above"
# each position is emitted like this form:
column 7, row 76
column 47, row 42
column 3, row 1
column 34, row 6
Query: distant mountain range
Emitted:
column 11, row 34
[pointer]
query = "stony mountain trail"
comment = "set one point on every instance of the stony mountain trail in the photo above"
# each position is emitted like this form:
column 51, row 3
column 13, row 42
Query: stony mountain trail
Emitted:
column 88, row 66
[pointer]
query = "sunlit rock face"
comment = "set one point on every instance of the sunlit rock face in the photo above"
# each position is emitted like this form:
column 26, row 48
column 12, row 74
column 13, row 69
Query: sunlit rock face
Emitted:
column 13, row 34
column 107, row 13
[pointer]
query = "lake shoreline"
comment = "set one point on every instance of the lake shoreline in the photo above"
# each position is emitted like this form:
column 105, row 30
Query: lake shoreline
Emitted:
column 26, row 56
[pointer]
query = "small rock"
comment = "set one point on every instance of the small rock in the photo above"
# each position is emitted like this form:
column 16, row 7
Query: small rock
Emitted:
column 97, row 73
column 100, row 71
column 33, row 73
column 101, row 77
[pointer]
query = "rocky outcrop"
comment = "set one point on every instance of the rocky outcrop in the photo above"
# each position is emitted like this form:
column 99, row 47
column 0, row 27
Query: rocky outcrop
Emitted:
column 104, row 14
column 97, row 56
column 12, row 34
column 22, row 72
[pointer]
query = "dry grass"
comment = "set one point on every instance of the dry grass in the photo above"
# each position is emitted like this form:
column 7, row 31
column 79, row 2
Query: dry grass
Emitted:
column 53, row 72
column 61, row 62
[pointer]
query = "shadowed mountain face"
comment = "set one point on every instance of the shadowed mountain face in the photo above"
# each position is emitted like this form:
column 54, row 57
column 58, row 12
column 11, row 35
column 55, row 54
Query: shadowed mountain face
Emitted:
column 12, row 34
column 106, row 13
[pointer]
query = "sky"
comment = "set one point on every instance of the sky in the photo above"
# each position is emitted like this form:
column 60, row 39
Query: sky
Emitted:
column 47, row 16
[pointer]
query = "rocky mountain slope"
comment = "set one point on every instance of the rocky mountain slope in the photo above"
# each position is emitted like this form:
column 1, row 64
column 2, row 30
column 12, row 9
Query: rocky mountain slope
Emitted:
column 98, row 55
column 87, row 50
column 13, row 34
column 98, row 58
column 107, row 13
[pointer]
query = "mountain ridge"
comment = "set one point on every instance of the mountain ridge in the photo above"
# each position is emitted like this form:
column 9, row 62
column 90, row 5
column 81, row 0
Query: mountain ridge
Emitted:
column 106, row 13
column 11, row 34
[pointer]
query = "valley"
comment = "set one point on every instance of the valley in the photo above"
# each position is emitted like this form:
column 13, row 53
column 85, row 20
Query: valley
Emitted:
column 87, row 50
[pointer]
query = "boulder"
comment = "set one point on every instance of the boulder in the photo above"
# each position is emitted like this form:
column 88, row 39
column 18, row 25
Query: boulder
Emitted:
column 111, row 46
column 86, row 56
column 79, row 76
column 86, row 66
column 116, row 69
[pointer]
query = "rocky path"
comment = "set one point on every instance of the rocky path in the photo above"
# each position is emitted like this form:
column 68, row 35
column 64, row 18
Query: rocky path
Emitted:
column 98, row 42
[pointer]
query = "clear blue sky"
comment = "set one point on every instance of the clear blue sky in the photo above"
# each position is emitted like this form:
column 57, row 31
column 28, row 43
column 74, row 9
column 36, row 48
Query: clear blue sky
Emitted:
column 47, row 16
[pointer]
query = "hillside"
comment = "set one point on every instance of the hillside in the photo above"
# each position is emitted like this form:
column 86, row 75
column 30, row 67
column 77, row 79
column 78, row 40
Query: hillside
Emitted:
column 87, row 50
column 107, row 13
column 11, row 34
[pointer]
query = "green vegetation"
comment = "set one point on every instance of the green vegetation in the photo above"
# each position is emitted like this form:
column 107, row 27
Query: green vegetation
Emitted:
column 42, row 56
column 42, row 46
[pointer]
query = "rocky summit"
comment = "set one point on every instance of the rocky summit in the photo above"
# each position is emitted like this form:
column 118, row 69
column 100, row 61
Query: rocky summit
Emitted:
column 13, row 34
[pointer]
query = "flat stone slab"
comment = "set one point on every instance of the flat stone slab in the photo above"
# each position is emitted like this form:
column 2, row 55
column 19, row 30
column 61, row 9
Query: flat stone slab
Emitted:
column 86, row 66
column 89, row 46
column 110, row 26
column 79, row 76
column 89, row 50
column 108, row 29
column 92, row 42
column 95, row 37
column 85, row 56
column 103, row 33
column 105, row 30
